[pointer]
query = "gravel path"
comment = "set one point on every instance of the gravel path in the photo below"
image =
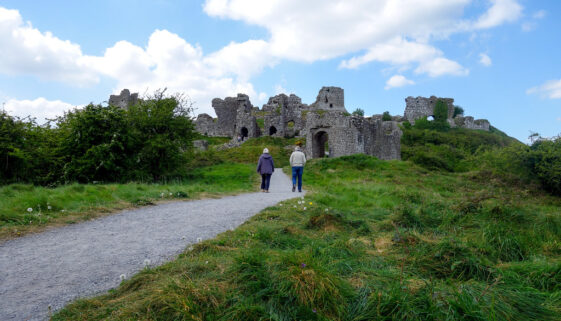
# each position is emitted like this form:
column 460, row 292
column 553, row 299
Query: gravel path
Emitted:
column 57, row 266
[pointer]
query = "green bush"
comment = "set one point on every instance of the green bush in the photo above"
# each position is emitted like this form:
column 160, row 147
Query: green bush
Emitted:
column 358, row 112
column 386, row 116
column 147, row 141
column 440, row 111
column 545, row 158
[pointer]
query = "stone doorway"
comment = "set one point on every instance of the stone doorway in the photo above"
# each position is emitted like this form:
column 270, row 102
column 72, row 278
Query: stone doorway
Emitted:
column 272, row 130
column 244, row 132
column 320, row 145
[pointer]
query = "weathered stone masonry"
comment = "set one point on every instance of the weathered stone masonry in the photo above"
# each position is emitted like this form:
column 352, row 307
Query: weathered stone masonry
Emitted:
column 326, row 126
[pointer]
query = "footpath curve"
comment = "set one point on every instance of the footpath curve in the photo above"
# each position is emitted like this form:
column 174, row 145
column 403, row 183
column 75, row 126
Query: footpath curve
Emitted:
column 52, row 268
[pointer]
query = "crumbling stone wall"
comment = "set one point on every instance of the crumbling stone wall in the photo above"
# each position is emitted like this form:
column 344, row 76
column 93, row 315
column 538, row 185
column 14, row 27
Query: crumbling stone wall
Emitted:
column 419, row 107
column 123, row 100
column 284, row 116
column 470, row 123
column 330, row 98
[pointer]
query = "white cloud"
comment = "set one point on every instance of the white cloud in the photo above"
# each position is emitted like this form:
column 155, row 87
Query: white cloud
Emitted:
column 401, row 52
column 540, row 14
column 550, row 89
column 390, row 31
column 441, row 66
column 171, row 62
column 40, row 108
column 485, row 60
column 500, row 12
column 279, row 89
column 398, row 81
column 26, row 50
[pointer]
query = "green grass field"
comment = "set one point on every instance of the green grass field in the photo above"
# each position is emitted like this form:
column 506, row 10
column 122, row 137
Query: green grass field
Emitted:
column 374, row 240
column 28, row 208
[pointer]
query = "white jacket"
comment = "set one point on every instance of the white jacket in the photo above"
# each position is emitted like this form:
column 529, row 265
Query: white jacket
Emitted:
column 297, row 159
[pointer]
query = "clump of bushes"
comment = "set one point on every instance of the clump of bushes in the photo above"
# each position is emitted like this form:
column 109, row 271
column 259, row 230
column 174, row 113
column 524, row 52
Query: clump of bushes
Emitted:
column 148, row 141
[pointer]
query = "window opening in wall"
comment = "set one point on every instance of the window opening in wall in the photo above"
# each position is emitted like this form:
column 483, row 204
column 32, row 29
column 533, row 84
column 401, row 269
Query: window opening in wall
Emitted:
column 272, row 130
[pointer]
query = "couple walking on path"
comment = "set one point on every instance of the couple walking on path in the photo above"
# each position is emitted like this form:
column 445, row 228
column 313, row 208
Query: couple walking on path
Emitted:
column 266, row 167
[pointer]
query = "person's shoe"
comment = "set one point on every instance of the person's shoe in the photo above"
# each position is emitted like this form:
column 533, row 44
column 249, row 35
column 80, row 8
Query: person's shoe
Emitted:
column 293, row 188
column 266, row 191
column 299, row 191
column 262, row 190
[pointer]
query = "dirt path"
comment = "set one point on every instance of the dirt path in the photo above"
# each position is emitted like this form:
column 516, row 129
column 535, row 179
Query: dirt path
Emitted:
column 62, row 264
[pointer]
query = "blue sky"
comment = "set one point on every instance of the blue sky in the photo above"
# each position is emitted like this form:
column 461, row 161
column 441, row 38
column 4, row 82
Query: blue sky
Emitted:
column 499, row 59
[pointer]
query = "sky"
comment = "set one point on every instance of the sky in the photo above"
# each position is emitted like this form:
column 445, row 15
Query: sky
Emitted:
column 499, row 59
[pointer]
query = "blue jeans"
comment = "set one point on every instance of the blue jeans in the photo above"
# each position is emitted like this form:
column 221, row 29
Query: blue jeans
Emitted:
column 265, row 181
column 297, row 172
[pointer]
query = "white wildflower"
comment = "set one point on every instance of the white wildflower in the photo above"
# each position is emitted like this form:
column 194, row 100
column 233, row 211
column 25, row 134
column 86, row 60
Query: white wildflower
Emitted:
column 49, row 207
column 327, row 210
column 294, row 206
column 206, row 262
column 162, row 195
column 304, row 208
column 183, row 237
column 170, row 194
column 199, row 239
column 190, row 248
column 122, row 277
column 29, row 209
column 146, row 262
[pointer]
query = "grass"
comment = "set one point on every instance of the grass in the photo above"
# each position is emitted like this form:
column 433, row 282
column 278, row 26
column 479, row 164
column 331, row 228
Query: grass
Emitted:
column 374, row 240
column 28, row 208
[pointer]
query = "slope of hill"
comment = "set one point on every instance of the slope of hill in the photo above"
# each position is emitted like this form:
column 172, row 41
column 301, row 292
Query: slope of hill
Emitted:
column 374, row 240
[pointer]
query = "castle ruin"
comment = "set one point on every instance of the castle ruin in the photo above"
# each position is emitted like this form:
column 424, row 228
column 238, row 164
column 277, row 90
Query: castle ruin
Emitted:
column 325, row 125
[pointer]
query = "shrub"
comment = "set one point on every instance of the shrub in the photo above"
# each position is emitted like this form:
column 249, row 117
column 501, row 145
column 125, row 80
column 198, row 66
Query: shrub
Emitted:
column 458, row 111
column 386, row 116
column 358, row 112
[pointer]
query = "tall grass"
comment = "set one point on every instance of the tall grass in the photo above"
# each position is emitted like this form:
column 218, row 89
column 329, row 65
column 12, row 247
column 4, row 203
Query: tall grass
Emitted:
column 26, row 207
column 375, row 240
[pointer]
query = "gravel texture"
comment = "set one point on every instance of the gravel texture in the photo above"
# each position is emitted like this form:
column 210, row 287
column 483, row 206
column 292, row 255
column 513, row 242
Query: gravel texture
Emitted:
column 52, row 268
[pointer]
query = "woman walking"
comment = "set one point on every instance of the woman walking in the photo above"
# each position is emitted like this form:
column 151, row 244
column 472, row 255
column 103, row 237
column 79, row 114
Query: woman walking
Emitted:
column 265, row 167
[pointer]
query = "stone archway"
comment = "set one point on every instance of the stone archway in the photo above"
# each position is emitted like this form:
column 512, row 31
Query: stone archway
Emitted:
column 319, row 144
column 272, row 130
column 244, row 132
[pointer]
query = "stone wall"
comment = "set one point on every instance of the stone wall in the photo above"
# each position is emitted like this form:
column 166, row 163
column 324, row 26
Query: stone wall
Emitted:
column 123, row 100
column 330, row 98
column 419, row 107
column 470, row 123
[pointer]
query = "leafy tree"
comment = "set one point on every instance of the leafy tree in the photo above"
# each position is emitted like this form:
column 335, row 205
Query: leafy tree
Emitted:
column 440, row 111
column 545, row 156
column 386, row 116
column 13, row 160
column 163, row 131
column 96, row 144
column 359, row 112
column 458, row 111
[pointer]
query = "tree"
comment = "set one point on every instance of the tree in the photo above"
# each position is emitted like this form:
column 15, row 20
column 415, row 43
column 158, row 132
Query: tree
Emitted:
column 440, row 111
column 359, row 112
column 458, row 111
column 386, row 116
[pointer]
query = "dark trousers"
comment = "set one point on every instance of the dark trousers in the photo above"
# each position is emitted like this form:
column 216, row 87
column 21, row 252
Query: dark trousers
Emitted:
column 297, row 172
column 265, row 181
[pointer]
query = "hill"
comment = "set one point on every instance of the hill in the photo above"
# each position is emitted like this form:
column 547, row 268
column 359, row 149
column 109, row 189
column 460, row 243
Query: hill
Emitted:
column 374, row 240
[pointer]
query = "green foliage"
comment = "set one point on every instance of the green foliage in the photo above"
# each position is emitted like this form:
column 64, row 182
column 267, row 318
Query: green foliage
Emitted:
column 148, row 141
column 386, row 116
column 372, row 240
column 458, row 111
column 358, row 112
column 440, row 111
column 424, row 123
column 79, row 201
column 451, row 150
column 545, row 159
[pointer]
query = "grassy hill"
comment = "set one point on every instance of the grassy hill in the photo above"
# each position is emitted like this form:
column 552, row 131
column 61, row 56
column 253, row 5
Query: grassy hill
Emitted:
column 373, row 240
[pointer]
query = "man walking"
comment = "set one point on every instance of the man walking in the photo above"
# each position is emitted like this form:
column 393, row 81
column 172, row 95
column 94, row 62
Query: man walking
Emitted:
column 297, row 161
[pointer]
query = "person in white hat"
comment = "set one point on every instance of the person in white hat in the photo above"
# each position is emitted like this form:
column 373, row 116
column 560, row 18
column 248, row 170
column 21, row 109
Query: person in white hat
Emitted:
column 265, row 167
column 297, row 161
